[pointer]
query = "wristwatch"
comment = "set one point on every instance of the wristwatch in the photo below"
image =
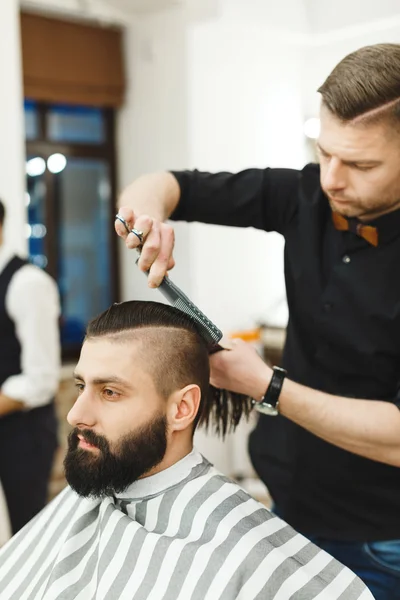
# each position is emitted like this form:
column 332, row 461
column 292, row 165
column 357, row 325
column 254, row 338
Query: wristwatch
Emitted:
column 269, row 403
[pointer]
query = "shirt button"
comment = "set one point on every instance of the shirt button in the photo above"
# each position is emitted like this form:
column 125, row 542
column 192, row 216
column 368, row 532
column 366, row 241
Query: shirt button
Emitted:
column 327, row 307
column 346, row 259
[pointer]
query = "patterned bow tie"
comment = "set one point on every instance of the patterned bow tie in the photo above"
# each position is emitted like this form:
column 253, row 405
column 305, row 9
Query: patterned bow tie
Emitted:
column 367, row 232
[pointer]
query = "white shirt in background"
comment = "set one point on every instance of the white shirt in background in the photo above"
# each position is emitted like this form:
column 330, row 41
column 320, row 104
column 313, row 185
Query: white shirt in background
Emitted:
column 32, row 302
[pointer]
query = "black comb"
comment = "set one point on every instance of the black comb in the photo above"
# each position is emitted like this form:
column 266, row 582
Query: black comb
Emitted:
column 208, row 331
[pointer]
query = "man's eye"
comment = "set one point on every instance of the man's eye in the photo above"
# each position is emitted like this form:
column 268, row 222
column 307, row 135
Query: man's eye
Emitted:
column 80, row 387
column 110, row 393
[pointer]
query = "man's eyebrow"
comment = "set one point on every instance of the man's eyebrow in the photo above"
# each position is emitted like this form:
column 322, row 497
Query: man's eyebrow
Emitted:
column 353, row 162
column 104, row 380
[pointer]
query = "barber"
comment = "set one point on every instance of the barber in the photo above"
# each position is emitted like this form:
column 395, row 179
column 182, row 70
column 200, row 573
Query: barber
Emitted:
column 328, row 443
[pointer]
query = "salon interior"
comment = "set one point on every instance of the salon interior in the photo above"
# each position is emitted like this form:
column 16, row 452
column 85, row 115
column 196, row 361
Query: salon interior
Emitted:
column 98, row 92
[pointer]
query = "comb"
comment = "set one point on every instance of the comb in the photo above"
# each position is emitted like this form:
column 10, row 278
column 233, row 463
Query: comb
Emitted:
column 177, row 298
column 208, row 331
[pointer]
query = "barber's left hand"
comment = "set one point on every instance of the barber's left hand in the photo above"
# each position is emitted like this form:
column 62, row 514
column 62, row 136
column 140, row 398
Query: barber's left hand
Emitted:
column 240, row 369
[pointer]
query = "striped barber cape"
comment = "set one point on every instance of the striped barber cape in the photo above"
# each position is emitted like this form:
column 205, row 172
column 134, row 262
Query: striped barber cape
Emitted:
column 186, row 533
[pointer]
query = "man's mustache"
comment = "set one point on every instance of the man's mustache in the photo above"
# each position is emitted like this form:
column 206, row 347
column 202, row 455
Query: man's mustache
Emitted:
column 89, row 436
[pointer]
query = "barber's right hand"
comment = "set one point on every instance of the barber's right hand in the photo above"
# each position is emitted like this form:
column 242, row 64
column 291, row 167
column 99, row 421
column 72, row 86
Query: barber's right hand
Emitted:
column 158, row 243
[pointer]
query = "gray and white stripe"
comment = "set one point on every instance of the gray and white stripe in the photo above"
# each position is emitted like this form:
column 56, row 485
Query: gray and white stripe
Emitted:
column 193, row 535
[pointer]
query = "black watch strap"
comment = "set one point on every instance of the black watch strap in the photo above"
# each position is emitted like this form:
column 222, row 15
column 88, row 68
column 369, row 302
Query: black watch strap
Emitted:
column 275, row 386
column 269, row 403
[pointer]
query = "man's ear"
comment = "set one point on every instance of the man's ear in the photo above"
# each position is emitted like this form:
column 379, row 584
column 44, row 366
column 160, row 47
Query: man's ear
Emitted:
column 183, row 406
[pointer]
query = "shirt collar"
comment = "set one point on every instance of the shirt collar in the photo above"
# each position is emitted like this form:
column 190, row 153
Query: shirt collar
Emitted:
column 388, row 226
column 160, row 482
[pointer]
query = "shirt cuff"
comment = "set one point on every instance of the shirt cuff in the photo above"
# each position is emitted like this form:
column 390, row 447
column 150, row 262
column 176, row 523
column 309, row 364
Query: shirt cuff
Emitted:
column 184, row 179
column 18, row 388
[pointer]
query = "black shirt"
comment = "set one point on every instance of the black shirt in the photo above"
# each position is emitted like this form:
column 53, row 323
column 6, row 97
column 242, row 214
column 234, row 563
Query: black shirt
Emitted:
column 343, row 337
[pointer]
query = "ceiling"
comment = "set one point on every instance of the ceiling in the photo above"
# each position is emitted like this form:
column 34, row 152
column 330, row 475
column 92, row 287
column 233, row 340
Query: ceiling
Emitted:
column 142, row 6
column 107, row 10
column 322, row 15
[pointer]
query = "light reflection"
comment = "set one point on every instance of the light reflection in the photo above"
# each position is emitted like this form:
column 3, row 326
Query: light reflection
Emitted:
column 35, row 166
column 312, row 128
column 56, row 163
column 40, row 260
column 38, row 231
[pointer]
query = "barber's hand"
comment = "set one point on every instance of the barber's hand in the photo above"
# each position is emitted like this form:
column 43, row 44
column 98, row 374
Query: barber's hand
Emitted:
column 156, row 252
column 240, row 369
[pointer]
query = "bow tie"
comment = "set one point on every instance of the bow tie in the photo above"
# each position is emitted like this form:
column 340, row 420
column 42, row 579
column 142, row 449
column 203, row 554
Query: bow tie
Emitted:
column 367, row 232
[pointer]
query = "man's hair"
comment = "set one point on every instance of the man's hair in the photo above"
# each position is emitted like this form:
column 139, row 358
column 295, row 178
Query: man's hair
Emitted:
column 365, row 85
column 2, row 213
column 176, row 356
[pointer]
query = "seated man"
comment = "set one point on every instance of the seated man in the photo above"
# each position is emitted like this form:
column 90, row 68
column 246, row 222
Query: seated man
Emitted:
column 145, row 516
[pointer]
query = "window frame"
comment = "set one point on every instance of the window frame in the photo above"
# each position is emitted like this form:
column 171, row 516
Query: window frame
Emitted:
column 44, row 147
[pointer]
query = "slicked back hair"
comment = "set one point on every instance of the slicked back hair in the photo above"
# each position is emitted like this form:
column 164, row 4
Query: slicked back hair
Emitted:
column 365, row 86
column 176, row 356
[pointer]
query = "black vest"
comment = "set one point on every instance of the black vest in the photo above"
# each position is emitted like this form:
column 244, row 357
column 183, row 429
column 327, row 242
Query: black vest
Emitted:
column 10, row 348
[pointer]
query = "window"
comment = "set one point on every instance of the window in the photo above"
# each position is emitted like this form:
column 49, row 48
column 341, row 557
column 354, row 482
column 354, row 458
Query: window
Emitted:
column 71, row 185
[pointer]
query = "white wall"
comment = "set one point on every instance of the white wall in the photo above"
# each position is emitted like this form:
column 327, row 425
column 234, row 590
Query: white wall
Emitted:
column 12, row 150
column 285, row 17
column 152, row 126
column 324, row 50
column 245, row 111
column 326, row 16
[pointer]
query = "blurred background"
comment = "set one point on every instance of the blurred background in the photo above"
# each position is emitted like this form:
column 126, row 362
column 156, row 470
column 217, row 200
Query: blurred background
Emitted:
column 97, row 92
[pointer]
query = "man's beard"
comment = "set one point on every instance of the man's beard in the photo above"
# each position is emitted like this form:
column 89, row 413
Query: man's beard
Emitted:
column 105, row 472
column 354, row 208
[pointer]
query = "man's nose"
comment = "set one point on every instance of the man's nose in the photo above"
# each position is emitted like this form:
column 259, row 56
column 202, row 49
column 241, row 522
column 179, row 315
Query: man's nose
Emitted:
column 333, row 176
column 82, row 412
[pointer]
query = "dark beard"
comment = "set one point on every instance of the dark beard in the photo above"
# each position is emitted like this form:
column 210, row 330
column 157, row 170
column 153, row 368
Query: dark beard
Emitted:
column 106, row 472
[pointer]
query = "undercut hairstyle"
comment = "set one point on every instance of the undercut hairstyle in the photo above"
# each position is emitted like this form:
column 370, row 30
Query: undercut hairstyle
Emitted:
column 2, row 213
column 176, row 356
column 365, row 86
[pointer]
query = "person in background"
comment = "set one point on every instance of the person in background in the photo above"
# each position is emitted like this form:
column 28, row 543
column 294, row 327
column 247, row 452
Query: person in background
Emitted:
column 145, row 515
column 328, row 448
column 29, row 377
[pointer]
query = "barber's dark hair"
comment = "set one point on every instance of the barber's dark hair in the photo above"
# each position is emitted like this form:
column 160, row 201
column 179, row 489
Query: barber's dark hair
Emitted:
column 366, row 82
column 180, row 357
column 2, row 213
